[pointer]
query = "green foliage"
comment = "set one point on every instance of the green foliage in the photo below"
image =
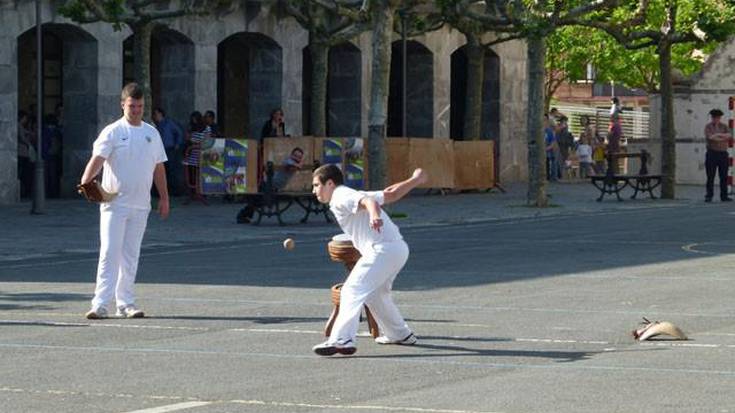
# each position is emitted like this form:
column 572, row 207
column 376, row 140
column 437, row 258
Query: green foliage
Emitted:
column 570, row 49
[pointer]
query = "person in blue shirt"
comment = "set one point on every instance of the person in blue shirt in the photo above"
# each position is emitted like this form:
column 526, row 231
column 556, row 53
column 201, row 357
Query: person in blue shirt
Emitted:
column 173, row 142
column 552, row 147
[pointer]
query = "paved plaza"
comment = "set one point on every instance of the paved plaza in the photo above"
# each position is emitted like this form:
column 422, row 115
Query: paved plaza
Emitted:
column 517, row 310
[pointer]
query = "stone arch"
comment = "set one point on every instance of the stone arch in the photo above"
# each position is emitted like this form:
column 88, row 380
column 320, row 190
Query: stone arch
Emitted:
column 419, row 90
column 172, row 72
column 249, row 78
column 344, row 90
column 70, row 72
column 490, row 95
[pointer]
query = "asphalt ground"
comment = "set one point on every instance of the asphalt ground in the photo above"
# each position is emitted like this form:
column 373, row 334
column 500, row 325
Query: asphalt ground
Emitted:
column 514, row 315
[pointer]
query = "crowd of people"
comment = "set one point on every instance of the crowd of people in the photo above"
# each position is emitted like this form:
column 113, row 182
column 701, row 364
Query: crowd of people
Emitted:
column 566, row 155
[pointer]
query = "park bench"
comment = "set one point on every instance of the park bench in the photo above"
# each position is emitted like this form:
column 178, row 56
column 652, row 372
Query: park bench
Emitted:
column 269, row 202
column 612, row 182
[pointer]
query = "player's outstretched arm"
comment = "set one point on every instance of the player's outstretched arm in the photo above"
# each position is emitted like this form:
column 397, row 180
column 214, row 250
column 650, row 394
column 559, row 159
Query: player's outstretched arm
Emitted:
column 397, row 191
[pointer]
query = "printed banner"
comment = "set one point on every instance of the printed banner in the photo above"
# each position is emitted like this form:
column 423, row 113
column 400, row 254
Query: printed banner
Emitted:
column 355, row 173
column 236, row 165
column 332, row 152
column 223, row 166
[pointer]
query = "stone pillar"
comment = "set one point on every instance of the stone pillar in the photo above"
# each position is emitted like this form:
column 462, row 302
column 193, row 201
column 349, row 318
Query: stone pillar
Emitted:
column 292, row 46
column 205, row 78
column 81, row 103
column 9, row 185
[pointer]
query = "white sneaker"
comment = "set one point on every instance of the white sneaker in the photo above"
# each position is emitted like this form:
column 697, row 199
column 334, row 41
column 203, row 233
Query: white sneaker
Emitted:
column 328, row 349
column 130, row 311
column 408, row 341
column 96, row 313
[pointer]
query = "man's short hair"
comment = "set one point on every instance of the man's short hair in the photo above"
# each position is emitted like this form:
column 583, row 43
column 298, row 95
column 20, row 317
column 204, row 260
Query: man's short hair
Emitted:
column 715, row 113
column 132, row 90
column 210, row 114
column 159, row 110
column 294, row 150
column 327, row 172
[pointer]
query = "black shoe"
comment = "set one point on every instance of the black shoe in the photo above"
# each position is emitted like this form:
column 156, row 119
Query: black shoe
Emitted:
column 726, row 199
column 708, row 199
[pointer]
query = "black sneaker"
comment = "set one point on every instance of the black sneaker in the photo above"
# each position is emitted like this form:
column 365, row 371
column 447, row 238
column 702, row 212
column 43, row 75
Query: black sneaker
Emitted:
column 726, row 199
column 707, row 199
column 328, row 349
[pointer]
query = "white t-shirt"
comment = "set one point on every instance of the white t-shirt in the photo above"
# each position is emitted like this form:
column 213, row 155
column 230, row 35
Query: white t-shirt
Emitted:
column 355, row 222
column 131, row 154
column 584, row 152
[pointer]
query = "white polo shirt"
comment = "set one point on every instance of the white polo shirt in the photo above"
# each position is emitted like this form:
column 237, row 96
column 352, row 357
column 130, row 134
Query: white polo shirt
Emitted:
column 355, row 222
column 131, row 154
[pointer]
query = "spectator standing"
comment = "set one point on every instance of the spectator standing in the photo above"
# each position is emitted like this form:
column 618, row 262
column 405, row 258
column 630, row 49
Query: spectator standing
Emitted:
column 552, row 146
column 275, row 126
column 173, row 141
column 198, row 131
column 717, row 135
column 210, row 120
column 26, row 154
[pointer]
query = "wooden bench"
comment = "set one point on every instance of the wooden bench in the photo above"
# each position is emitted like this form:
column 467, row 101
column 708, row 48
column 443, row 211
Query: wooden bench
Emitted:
column 613, row 183
column 269, row 203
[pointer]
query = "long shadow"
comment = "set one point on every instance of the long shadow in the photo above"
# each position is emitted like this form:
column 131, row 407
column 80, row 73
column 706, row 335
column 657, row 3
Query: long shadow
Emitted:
column 459, row 351
column 40, row 324
column 255, row 320
column 53, row 297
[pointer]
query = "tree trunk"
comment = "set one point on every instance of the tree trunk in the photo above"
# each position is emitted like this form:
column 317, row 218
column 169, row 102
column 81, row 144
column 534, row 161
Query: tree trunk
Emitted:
column 668, row 135
column 379, row 88
column 473, row 94
column 319, row 71
column 142, row 33
column 536, row 54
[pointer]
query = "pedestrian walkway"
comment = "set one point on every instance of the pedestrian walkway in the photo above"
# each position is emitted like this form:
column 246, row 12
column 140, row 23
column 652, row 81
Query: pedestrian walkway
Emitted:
column 71, row 225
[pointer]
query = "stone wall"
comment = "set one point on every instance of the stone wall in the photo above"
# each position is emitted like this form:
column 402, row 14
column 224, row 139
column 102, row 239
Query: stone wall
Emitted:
column 93, row 73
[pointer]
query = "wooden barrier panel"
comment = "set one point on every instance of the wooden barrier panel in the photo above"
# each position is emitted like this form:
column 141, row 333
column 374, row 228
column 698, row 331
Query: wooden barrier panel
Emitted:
column 436, row 157
column 474, row 164
column 398, row 152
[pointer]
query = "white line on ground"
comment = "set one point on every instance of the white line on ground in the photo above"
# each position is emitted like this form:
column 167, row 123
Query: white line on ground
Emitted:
column 352, row 407
column 377, row 358
column 320, row 332
column 172, row 407
column 196, row 403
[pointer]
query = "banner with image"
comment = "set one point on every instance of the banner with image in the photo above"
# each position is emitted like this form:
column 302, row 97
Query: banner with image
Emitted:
column 223, row 166
column 332, row 152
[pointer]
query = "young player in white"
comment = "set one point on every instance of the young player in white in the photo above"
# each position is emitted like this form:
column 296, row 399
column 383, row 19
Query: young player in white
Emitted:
column 384, row 253
column 132, row 154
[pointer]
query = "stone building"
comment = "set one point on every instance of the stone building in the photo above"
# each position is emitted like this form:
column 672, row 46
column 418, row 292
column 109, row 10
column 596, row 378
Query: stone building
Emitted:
column 694, row 97
column 242, row 65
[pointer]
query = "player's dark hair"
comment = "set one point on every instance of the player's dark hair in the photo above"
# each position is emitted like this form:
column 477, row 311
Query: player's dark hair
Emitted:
column 132, row 90
column 327, row 172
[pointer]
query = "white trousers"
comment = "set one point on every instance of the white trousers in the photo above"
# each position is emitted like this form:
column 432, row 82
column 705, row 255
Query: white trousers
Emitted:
column 121, row 234
column 371, row 282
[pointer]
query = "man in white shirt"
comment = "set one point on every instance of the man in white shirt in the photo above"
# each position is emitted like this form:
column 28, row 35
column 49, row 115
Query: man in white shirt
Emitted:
column 132, row 154
column 384, row 253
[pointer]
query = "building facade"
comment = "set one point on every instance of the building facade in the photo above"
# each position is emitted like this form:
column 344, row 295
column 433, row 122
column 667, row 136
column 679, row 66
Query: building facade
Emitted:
column 242, row 65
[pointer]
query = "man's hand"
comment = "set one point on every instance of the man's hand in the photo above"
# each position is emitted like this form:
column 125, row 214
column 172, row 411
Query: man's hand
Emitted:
column 376, row 223
column 420, row 176
column 163, row 208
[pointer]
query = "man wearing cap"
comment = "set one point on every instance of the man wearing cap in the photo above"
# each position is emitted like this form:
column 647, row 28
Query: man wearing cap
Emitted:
column 717, row 135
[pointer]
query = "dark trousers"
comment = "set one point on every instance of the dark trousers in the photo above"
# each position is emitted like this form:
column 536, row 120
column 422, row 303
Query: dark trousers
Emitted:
column 716, row 161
